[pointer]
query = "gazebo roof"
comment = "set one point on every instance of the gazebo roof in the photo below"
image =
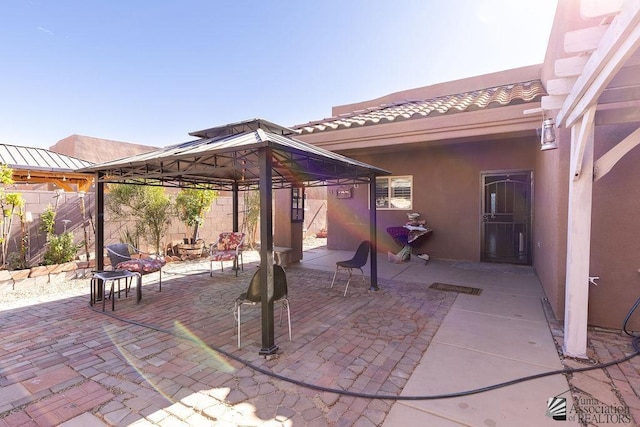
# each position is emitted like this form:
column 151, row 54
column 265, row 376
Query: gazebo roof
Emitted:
column 228, row 155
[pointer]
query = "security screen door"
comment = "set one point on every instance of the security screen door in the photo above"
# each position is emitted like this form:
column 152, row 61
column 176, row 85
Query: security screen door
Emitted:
column 506, row 217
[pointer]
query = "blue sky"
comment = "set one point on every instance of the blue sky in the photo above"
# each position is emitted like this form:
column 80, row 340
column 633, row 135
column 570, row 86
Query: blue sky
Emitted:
column 150, row 72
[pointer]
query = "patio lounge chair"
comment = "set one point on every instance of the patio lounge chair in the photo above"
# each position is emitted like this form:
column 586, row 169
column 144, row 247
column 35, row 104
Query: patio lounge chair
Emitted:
column 358, row 261
column 227, row 248
column 252, row 296
column 124, row 256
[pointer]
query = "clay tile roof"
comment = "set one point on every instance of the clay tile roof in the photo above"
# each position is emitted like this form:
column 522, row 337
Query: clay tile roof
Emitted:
column 499, row 96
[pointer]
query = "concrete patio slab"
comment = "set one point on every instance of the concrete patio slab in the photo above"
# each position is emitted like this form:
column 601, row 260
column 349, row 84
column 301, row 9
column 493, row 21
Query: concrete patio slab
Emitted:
column 449, row 369
column 509, row 338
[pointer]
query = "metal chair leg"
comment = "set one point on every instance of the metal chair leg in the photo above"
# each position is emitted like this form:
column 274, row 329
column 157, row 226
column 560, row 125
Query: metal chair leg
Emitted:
column 239, row 305
column 334, row 277
column 289, row 318
column 347, row 287
column 285, row 303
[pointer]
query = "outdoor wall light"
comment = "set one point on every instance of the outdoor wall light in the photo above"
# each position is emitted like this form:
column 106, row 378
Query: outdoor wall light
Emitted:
column 548, row 135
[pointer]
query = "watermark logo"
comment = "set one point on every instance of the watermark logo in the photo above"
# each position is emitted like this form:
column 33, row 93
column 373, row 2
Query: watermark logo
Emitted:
column 557, row 408
column 587, row 410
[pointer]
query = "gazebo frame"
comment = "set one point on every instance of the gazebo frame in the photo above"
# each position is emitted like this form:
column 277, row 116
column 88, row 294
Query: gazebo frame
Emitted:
column 248, row 155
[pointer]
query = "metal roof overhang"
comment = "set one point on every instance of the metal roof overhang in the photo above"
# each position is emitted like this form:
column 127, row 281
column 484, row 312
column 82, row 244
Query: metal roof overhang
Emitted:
column 32, row 165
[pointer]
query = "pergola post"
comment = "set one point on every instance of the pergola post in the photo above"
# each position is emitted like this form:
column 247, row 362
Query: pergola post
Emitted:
column 579, row 239
column 265, row 161
column 373, row 236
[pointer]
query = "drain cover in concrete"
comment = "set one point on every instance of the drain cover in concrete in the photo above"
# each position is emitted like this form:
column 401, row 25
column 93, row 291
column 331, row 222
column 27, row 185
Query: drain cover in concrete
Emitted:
column 455, row 288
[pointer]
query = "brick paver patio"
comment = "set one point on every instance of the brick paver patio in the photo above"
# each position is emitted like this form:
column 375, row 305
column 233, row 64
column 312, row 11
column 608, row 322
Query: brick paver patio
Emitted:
column 61, row 359
column 63, row 363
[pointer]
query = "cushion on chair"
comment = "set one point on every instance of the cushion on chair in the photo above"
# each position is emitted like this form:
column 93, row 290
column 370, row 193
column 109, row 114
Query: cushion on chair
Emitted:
column 142, row 265
column 224, row 256
column 229, row 241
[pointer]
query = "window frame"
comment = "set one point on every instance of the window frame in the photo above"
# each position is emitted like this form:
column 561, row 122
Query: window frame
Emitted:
column 389, row 180
column 297, row 203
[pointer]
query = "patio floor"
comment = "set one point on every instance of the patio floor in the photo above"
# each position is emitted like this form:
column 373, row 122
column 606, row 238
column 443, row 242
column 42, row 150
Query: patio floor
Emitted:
column 63, row 363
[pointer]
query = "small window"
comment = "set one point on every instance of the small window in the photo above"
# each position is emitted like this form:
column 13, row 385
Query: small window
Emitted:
column 297, row 204
column 394, row 192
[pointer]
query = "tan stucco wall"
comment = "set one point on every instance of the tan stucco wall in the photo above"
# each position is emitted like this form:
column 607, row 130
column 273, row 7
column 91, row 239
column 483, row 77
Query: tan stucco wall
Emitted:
column 97, row 150
column 615, row 231
column 615, row 234
column 550, row 220
column 447, row 190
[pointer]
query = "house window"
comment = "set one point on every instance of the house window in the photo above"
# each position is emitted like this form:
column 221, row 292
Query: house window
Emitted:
column 394, row 192
column 297, row 204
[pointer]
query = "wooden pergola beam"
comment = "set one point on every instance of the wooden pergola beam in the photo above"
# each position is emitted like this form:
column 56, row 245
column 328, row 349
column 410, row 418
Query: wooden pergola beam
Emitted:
column 617, row 45
column 64, row 180
column 604, row 164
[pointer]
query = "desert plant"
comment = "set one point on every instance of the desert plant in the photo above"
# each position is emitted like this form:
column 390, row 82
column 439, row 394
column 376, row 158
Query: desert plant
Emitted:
column 9, row 202
column 191, row 204
column 60, row 249
column 48, row 220
column 147, row 208
column 12, row 203
column 15, row 261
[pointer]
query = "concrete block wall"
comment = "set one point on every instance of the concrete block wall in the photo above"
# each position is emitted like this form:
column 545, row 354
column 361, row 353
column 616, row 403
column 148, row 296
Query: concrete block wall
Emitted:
column 217, row 220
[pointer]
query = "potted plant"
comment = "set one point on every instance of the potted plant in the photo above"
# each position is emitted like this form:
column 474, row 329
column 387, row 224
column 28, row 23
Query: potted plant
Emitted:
column 191, row 204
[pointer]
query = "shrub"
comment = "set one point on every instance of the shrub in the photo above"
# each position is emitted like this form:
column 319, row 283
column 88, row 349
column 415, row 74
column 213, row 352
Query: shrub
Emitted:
column 60, row 249
column 15, row 261
column 147, row 207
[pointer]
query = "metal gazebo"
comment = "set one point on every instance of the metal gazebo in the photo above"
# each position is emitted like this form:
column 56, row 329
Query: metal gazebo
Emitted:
column 253, row 154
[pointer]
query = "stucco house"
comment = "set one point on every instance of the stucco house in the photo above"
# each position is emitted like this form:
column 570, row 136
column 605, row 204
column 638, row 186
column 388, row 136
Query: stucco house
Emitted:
column 467, row 156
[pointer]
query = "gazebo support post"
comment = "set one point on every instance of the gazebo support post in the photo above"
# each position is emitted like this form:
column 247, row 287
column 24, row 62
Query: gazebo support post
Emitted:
column 265, row 161
column 235, row 213
column 235, row 208
column 99, row 231
column 373, row 233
